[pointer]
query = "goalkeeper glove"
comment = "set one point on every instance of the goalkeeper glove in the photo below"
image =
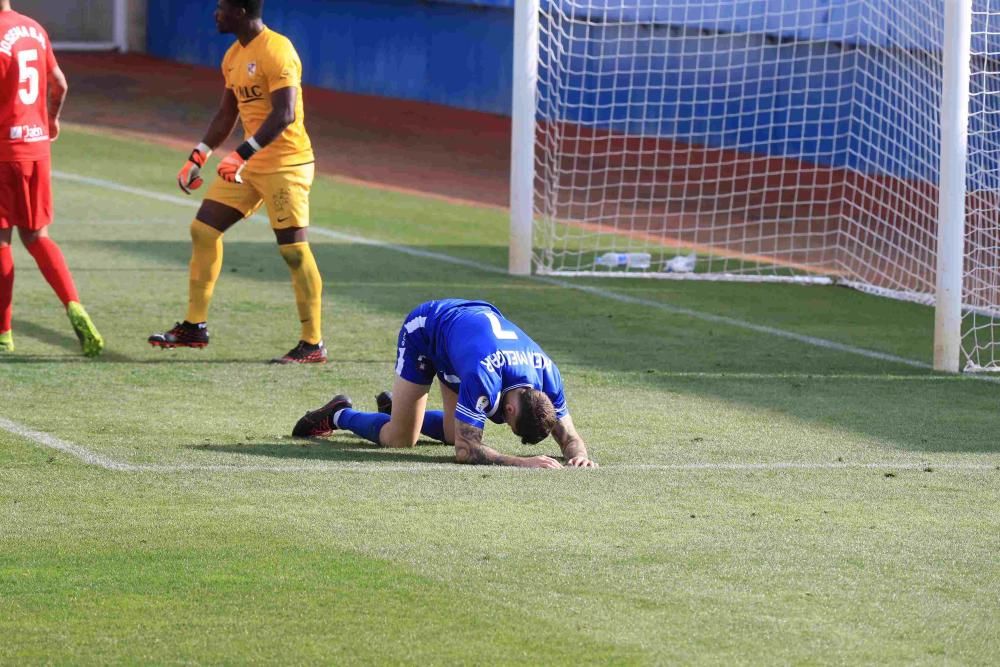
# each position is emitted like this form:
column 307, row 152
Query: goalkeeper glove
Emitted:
column 189, row 177
column 231, row 167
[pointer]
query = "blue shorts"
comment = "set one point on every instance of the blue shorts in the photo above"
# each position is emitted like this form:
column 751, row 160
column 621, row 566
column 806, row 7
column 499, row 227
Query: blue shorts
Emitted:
column 414, row 348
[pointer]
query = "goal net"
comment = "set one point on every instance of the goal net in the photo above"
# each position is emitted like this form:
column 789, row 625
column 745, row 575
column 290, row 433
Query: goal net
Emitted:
column 792, row 140
column 981, row 274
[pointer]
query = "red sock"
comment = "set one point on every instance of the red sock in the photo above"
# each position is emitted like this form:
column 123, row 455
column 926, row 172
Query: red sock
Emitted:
column 6, row 287
column 50, row 261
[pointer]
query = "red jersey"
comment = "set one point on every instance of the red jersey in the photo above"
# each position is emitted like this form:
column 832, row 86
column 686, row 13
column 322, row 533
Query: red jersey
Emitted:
column 26, row 59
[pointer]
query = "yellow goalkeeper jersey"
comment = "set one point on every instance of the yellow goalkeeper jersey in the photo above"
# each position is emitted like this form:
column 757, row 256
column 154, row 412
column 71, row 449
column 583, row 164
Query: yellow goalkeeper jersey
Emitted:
column 268, row 63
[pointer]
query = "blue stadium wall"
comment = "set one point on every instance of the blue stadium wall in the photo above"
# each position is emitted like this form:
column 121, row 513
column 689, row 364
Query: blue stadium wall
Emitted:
column 453, row 53
column 768, row 95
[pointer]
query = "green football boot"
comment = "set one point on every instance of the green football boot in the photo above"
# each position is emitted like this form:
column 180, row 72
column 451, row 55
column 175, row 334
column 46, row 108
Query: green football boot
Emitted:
column 7, row 341
column 90, row 340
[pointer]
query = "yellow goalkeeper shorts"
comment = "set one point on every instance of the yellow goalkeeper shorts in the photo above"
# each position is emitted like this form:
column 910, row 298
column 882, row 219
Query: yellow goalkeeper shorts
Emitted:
column 284, row 191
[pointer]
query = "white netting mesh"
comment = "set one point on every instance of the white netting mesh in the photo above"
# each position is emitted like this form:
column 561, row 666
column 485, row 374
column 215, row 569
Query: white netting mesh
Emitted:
column 794, row 140
column 981, row 293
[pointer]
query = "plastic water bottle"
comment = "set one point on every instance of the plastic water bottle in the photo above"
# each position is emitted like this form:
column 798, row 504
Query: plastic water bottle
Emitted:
column 681, row 263
column 630, row 260
column 612, row 259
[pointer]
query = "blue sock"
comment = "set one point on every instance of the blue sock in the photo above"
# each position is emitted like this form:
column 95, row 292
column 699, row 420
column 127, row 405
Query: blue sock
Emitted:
column 433, row 426
column 365, row 424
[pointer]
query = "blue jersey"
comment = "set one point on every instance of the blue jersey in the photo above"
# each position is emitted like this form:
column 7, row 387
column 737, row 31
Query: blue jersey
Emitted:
column 478, row 353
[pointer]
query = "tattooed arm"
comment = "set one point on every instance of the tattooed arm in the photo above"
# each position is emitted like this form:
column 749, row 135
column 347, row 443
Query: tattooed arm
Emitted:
column 571, row 444
column 469, row 448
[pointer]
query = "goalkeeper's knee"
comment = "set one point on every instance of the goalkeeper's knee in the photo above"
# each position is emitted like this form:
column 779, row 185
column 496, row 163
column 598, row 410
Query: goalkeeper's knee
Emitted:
column 293, row 254
column 204, row 235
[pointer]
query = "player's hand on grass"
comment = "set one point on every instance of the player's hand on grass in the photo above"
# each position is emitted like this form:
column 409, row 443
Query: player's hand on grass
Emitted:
column 189, row 177
column 540, row 462
column 581, row 462
column 230, row 168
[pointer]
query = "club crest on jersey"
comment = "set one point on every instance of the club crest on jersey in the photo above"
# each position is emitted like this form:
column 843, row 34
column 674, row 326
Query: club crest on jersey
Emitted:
column 483, row 403
column 252, row 68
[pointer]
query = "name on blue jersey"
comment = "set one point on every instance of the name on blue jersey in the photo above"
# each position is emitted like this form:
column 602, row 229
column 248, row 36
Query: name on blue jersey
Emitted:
column 497, row 360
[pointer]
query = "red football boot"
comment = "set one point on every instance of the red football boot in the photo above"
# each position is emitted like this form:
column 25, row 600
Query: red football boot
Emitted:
column 184, row 334
column 320, row 421
column 384, row 402
column 303, row 353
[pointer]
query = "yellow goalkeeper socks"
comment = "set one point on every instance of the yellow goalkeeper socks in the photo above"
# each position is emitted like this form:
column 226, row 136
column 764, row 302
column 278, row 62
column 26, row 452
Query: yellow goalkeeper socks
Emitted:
column 206, row 262
column 308, row 288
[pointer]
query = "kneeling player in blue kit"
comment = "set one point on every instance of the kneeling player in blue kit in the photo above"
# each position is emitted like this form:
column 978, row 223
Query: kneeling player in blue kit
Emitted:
column 487, row 368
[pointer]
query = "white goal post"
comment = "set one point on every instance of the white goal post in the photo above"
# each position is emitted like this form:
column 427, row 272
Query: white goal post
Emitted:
column 852, row 142
column 951, row 202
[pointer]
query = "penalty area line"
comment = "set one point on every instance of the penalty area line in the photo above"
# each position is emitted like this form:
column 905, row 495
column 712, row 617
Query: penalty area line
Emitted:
column 92, row 458
column 587, row 289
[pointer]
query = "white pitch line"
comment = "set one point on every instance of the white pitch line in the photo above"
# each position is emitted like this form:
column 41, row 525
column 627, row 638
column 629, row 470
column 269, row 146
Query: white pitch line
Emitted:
column 807, row 465
column 588, row 289
column 808, row 377
column 94, row 459
column 52, row 442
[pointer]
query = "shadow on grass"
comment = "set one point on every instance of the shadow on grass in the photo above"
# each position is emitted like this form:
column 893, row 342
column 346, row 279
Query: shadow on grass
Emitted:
column 247, row 361
column 317, row 449
column 66, row 340
column 648, row 347
column 116, row 358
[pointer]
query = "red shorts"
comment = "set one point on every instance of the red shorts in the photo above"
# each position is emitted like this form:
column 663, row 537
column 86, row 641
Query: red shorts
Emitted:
column 26, row 194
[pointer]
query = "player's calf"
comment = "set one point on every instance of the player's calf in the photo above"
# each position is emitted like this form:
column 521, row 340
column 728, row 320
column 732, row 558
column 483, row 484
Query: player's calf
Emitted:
column 398, row 436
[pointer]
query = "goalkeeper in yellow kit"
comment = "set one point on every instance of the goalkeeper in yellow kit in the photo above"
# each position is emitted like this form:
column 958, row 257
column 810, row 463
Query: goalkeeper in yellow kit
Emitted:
column 274, row 166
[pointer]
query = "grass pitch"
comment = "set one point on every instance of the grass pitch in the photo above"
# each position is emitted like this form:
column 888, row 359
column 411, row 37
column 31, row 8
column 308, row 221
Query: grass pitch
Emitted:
column 761, row 499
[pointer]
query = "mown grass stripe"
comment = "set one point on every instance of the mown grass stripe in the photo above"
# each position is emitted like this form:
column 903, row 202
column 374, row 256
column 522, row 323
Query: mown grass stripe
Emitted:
column 93, row 458
column 588, row 289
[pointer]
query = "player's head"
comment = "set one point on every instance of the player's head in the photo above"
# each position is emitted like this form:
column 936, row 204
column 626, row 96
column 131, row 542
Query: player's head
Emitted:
column 530, row 414
column 230, row 15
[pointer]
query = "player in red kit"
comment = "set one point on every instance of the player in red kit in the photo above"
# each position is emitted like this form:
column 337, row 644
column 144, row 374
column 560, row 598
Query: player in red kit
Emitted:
column 32, row 90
